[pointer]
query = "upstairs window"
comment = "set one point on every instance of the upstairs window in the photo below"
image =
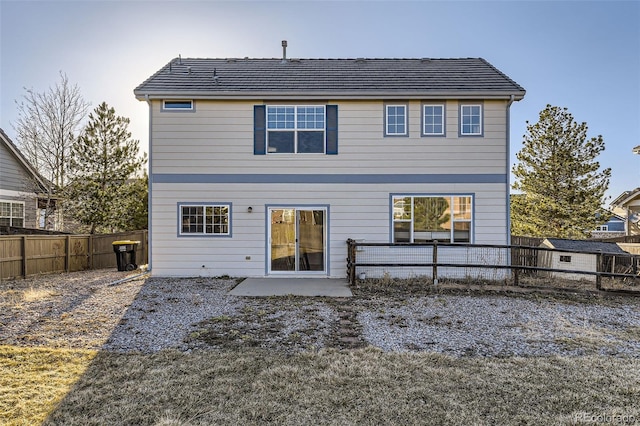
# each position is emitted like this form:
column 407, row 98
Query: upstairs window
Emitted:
column 433, row 120
column 421, row 219
column 12, row 214
column 296, row 129
column 395, row 120
column 205, row 219
column 179, row 105
column 471, row 120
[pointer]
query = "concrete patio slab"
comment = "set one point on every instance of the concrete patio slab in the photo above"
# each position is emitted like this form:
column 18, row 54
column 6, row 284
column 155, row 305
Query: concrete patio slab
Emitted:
column 271, row 286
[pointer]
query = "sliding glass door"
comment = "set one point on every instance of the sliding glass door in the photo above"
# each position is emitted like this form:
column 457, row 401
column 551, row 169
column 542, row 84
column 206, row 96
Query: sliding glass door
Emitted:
column 297, row 240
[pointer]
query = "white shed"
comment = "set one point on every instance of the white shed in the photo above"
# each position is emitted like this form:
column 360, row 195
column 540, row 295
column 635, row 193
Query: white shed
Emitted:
column 575, row 255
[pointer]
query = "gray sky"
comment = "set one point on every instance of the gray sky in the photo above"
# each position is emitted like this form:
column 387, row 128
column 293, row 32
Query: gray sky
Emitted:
column 576, row 54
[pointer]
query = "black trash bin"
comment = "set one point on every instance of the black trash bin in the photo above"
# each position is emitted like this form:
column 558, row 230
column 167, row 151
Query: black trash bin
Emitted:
column 126, row 254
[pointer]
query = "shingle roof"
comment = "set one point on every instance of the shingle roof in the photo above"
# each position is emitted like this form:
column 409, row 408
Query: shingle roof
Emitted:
column 219, row 78
column 585, row 245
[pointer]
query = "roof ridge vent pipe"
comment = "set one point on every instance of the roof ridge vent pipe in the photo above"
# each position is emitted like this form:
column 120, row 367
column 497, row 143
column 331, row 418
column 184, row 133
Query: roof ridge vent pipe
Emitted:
column 180, row 59
column 284, row 51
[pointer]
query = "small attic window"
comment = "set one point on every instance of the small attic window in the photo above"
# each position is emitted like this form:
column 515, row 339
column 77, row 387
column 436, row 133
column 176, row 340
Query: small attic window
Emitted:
column 173, row 105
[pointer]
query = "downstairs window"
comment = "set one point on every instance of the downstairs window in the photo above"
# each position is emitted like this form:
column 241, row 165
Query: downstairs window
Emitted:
column 205, row 219
column 12, row 214
column 420, row 219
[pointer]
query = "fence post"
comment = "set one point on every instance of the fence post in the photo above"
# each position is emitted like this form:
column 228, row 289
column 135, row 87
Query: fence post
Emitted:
column 599, row 269
column 350, row 262
column 67, row 258
column 515, row 272
column 24, row 256
column 435, row 262
column 90, row 250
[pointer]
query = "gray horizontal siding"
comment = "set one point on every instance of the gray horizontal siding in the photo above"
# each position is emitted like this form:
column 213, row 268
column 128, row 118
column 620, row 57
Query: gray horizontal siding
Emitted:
column 218, row 138
column 12, row 174
column 355, row 211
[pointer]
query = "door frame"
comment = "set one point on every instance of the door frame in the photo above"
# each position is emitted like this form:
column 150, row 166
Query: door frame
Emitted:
column 268, row 209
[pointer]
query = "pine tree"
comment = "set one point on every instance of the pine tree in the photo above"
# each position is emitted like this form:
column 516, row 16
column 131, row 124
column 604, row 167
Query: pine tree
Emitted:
column 561, row 182
column 132, row 212
column 106, row 169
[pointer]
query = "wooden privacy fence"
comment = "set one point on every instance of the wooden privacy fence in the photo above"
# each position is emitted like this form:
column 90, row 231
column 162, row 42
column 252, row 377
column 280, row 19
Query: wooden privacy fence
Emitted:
column 26, row 255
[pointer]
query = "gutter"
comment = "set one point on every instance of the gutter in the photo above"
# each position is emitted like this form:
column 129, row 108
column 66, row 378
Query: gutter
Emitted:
column 508, row 171
column 511, row 96
column 149, row 188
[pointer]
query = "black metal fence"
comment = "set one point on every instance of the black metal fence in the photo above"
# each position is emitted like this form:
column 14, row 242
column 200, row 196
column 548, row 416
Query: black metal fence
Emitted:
column 515, row 265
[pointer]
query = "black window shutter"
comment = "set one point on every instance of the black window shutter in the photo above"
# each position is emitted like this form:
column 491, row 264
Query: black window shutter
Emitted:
column 259, row 130
column 332, row 130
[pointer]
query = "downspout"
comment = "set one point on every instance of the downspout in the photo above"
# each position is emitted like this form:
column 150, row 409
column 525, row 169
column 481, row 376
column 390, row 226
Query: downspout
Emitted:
column 508, row 178
column 149, row 188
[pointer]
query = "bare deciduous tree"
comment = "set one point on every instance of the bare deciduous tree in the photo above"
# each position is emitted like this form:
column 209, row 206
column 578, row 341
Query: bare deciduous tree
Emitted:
column 46, row 127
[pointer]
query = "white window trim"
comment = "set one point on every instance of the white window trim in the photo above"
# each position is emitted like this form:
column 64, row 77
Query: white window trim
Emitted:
column 453, row 220
column 481, row 124
column 204, row 232
column 11, row 217
column 424, row 121
column 296, row 129
column 174, row 109
column 386, row 120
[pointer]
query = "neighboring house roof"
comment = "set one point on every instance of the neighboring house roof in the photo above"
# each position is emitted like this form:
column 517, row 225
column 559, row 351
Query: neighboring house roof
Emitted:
column 616, row 217
column 626, row 197
column 612, row 215
column 583, row 245
column 334, row 78
column 22, row 161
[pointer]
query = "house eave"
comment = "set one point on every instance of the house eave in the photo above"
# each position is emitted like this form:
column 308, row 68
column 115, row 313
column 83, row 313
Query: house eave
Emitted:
column 361, row 95
column 625, row 198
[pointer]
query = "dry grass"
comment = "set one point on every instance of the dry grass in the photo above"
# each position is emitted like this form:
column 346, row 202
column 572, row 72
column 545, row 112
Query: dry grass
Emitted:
column 34, row 380
column 240, row 385
column 37, row 295
column 325, row 387
column 15, row 298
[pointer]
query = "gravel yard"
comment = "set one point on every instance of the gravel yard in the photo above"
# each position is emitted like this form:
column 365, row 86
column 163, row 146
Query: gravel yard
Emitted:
column 92, row 310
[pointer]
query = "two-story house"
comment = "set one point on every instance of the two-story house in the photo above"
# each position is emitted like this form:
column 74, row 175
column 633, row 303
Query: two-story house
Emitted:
column 265, row 167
